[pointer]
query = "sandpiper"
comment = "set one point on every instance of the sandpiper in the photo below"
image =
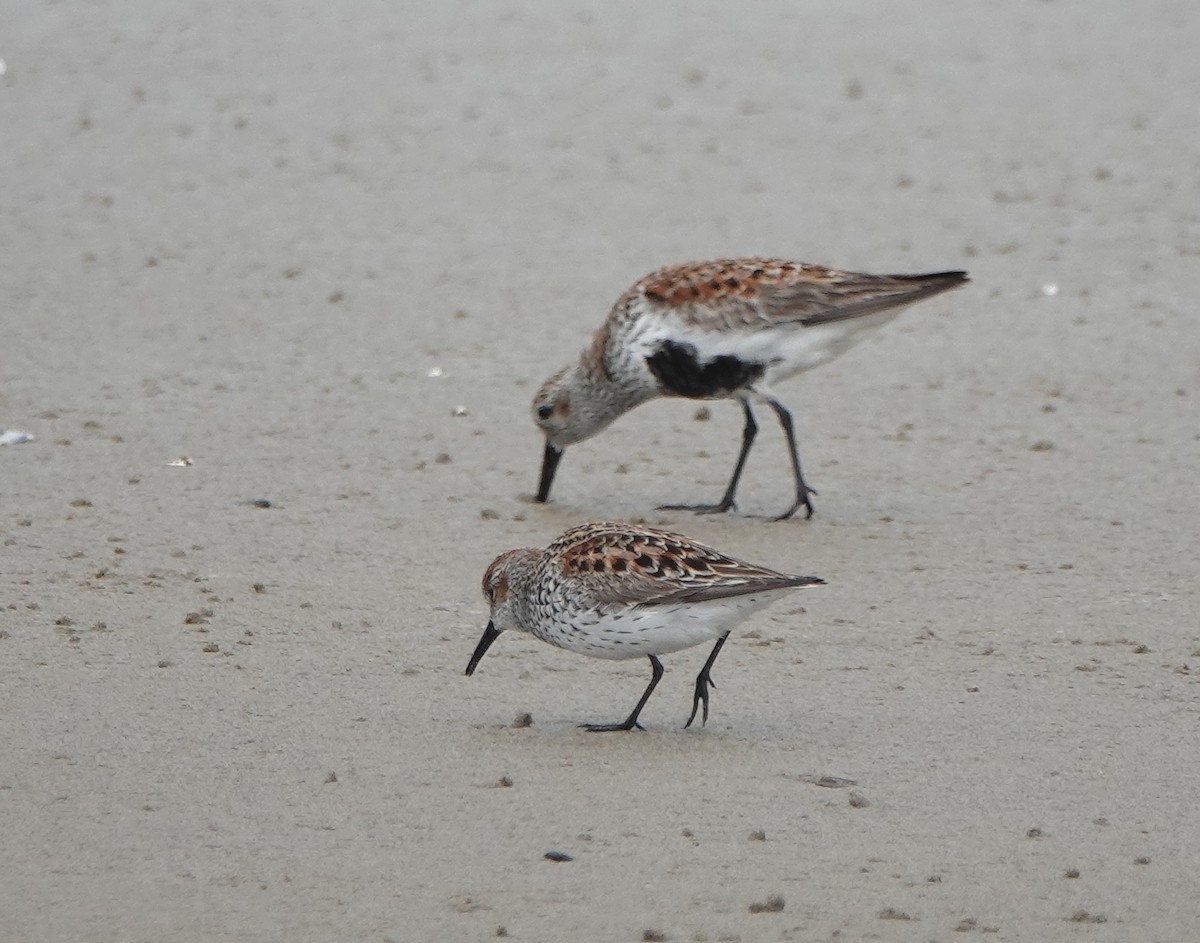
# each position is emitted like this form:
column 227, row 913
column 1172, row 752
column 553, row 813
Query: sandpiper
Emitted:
column 621, row 591
column 727, row 329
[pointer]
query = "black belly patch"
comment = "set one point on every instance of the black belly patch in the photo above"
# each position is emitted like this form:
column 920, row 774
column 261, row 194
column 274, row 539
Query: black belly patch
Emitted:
column 680, row 372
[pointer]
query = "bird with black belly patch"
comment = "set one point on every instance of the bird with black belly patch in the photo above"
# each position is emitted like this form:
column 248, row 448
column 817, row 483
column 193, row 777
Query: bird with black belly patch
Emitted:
column 728, row 329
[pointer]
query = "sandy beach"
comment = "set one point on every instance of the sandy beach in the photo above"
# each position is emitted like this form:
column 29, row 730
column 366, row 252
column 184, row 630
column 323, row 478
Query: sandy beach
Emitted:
column 279, row 282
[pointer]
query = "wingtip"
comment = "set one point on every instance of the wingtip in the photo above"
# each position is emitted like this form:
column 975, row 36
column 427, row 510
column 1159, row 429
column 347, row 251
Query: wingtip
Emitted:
column 927, row 284
column 949, row 278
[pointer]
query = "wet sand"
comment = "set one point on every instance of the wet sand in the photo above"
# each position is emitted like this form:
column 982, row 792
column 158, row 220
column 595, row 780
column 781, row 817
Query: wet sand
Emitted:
column 328, row 254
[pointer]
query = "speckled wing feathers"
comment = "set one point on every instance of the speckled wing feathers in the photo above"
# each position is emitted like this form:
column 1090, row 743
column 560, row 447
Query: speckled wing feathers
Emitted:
column 725, row 294
column 733, row 294
column 703, row 283
column 628, row 566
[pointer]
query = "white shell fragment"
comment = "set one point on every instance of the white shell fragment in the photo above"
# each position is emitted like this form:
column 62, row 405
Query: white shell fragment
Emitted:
column 182, row 462
column 14, row 436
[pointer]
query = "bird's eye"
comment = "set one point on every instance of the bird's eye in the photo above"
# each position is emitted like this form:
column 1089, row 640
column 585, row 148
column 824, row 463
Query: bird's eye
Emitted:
column 544, row 412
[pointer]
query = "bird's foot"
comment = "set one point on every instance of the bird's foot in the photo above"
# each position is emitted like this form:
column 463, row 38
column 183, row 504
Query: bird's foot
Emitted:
column 802, row 501
column 605, row 728
column 703, row 683
column 720, row 508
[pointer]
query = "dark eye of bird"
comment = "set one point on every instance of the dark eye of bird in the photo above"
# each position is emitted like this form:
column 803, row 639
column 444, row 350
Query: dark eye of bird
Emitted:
column 544, row 412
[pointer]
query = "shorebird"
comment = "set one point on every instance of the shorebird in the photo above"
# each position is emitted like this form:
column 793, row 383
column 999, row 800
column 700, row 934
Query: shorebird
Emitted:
column 728, row 329
column 621, row 591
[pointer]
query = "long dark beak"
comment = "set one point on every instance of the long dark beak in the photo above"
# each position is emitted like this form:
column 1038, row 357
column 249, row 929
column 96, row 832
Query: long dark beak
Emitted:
column 550, row 459
column 490, row 634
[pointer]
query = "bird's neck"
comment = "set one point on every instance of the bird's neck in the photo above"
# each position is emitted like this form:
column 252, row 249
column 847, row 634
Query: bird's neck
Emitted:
column 607, row 395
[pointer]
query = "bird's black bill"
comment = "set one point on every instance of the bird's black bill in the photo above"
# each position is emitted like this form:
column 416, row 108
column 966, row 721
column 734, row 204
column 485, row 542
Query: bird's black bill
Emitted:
column 490, row 634
column 550, row 459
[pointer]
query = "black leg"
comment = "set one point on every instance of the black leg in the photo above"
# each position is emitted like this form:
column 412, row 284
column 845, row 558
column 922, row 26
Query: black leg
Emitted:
column 802, row 488
column 631, row 721
column 726, row 503
column 703, row 682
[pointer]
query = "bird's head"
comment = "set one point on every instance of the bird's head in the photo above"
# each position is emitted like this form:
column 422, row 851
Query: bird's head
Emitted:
column 496, row 585
column 570, row 406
